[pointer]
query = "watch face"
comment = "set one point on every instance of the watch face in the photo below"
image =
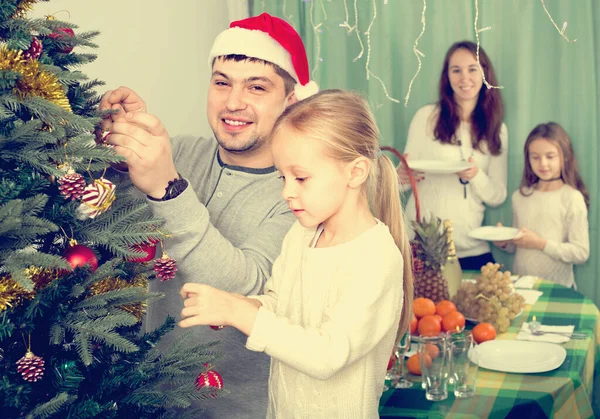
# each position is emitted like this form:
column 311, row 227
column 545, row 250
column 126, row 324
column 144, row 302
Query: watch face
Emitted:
column 176, row 188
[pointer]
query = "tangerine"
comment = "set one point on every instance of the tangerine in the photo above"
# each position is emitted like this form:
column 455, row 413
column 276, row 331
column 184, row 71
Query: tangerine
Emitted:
column 453, row 321
column 413, row 324
column 438, row 318
column 432, row 350
column 413, row 364
column 483, row 332
column 429, row 326
column 444, row 307
column 423, row 307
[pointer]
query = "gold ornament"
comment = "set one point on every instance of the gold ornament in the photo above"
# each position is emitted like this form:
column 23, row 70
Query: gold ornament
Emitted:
column 11, row 293
column 111, row 284
column 24, row 7
column 34, row 81
column 40, row 276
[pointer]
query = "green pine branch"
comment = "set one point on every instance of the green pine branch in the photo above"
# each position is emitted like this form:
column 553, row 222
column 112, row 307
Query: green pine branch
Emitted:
column 51, row 407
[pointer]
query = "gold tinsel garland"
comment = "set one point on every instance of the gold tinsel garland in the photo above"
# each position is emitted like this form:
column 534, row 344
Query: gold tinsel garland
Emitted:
column 11, row 293
column 111, row 284
column 24, row 7
column 34, row 80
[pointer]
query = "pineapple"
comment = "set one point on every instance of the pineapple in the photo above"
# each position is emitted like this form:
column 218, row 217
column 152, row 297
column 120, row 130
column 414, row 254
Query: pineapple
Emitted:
column 430, row 252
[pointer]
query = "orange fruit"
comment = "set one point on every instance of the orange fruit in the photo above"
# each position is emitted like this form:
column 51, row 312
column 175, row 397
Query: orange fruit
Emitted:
column 444, row 307
column 483, row 332
column 413, row 364
column 438, row 318
column 423, row 307
column 432, row 350
column 413, row 324
column 453, row 320
column 429, row 326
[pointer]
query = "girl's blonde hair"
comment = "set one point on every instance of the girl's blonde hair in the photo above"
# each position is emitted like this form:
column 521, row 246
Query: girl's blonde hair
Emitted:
column 569, row 173
column 344, row 122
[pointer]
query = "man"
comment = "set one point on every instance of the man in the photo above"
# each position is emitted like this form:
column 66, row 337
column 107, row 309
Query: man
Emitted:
column 221, row 199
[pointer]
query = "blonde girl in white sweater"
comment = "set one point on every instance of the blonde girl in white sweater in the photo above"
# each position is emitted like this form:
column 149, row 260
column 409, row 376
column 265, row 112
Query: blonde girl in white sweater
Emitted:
column 341, row 290
column 466, row 124
column 550, row 208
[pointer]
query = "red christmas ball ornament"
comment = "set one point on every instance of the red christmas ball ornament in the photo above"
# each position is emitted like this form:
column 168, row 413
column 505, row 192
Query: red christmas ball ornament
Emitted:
column 79, row 255
column 149, row 250
column 209, row 378
column 35, row 49
column 61, row 33
column 217, row 327
column 31, row 367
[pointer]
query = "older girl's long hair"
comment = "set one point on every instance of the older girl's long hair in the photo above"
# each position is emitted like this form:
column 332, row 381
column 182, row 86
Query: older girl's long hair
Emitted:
column 488, row 115
column 344, row 122
column 569, row 172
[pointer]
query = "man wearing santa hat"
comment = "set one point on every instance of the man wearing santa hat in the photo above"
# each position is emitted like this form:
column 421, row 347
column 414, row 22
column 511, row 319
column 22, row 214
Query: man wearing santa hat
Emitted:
column 221, row 198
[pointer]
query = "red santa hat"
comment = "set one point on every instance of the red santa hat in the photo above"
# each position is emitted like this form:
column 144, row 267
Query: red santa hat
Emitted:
column 270, row 39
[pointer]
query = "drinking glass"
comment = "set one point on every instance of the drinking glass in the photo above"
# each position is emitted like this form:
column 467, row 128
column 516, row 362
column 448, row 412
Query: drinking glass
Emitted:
column 433, row 357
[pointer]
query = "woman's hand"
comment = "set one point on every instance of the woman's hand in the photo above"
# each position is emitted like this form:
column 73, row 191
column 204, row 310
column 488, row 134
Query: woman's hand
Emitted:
column 470, row 173
column 502, row 243
column 529, row 240
column 403, row 174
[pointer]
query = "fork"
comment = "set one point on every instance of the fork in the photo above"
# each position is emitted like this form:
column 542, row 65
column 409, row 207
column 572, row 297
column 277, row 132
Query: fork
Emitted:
column 566, row 334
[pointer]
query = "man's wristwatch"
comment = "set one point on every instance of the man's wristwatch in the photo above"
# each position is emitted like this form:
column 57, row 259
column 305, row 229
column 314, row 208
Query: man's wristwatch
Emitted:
column 173, row 189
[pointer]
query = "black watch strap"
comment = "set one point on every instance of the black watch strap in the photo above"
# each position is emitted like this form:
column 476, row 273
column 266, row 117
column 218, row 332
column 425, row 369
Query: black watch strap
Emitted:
column 173, row 189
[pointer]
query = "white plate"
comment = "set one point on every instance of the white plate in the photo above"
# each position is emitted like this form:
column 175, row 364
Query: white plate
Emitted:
column 520, row 356
column 492, row 233
column 438, row 166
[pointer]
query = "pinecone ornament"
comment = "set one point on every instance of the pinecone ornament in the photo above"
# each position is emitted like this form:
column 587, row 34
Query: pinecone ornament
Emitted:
column 31, row 367
column 210, row 379
column 72, row 185
column 165, row 268
column 34, row 51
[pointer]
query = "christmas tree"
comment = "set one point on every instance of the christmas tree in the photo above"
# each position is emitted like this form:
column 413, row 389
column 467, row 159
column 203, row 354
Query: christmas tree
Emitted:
column 76, row 248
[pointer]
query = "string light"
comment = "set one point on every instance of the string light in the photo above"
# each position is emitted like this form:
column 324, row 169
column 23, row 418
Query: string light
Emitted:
column 564, row 26
column 417, row 53
column 489, row 86
column 317, row 38
column 345, row 23
column 368, row 70
column 287, row 17
column 362, row 47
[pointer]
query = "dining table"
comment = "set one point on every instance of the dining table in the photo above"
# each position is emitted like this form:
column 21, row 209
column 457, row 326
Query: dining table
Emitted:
column 570, row 391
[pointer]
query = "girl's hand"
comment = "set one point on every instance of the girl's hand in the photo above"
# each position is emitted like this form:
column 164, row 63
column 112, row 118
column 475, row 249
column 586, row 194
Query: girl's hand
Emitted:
column 470, row 173
column 529, row 240
column 205, row 305
column 403, row 175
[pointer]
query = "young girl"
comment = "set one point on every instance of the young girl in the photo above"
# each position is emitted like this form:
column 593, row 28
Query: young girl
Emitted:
column 465, row 125
column 550, row 209
column 341, row 292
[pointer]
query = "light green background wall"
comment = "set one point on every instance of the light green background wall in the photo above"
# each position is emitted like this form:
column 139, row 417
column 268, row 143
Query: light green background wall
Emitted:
column 545, row 77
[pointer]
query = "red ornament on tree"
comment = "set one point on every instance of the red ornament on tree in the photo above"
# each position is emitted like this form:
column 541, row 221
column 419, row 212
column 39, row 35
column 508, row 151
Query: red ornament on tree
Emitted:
column 79, row 255
column 165, row 268
column 31, row 367
column 35, row 49
column 61, row 34
column 71, row 185
column 210, row 379
column 149, row 249
column 216, row 327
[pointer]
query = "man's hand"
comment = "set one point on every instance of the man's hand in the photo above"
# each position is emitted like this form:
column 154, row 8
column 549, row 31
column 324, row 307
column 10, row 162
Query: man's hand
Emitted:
column 143, row 140
column 123, row 100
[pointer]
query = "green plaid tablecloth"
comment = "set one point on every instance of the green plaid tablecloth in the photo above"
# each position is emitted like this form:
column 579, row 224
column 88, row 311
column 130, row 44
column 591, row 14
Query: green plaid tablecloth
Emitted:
column 567, row 392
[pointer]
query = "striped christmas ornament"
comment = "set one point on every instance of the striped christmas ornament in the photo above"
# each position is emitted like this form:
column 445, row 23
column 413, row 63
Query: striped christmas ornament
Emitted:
column 96, row 199
column 210, row 379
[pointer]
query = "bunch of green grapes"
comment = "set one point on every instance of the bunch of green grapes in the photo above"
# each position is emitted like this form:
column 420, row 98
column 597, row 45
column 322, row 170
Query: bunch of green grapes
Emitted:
column 491, row 298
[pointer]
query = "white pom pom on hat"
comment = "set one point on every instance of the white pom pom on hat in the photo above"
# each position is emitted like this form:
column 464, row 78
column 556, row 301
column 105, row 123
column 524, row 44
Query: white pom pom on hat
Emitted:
column 270, row 39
